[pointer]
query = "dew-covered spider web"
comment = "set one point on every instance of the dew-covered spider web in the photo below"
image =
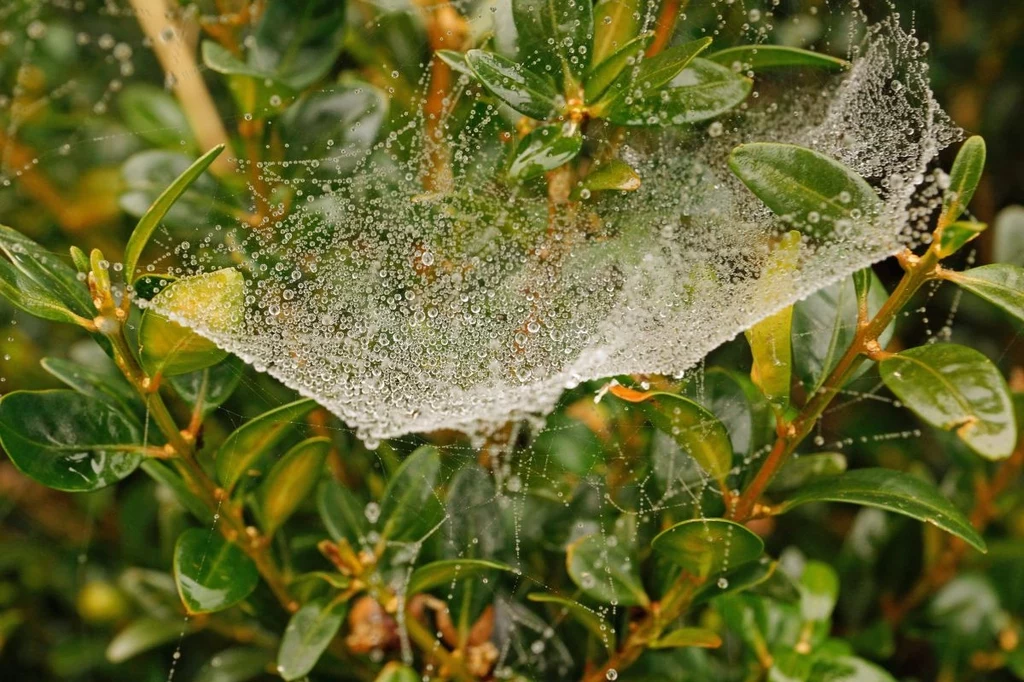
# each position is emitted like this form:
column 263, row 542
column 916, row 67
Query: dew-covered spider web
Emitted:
column 408, row 299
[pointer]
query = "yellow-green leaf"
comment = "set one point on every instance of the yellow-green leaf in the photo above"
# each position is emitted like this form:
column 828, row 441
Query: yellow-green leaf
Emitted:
column 290, row 481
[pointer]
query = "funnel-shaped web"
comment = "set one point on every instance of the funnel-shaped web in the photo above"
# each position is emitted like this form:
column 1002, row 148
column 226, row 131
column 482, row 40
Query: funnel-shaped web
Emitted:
column 407, row 304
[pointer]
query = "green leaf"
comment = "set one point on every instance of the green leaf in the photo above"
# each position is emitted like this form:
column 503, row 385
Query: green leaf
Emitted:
column 298, row 43
column 702, row 91
column 525, row 91
column 249, row 443
column 848, row 669
column 162, row 473
column 555, row 37
column 740, row 406
column 67, row 441
column 396, row 672
column 761, row 57
column 695, row 430
column 212, row 303
column 339, row 124
column 999, row 283
column 28, row 295
column 605, row 571
column 448, row 571
column 343, row 515
column 211, row 386
column 544, row 149
column 590, row 619
column 606, row 71
column 963, row 179
column 110, row 387
column 770, row 345
column 819, row 590
column 142, row 635
column 238, row 664
column 616, row 23
column 803, row 469
column 156, row 212
column 1008, row 236
column 955, row 235
column 410, row 508
column 211, row 573
column 646, row 80
column 148, row 174
column 609, row 175
column 570, row 443
column 290, row 481
column 307, row 636
column 824, row 326
column 955, row 388
column 892, row 491
column 807, row 189
column 456, row 61
column 154, row 115
column 705, row 547
column 692, row 637
column 44, row 276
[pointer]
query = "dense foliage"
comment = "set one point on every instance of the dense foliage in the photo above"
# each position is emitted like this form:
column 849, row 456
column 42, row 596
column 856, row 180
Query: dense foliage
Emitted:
column 756, row 519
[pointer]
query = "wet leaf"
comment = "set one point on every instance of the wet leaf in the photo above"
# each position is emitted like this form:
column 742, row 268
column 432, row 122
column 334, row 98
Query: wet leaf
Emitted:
column 456, row 61
column 249, row 443
column 955, row 388
column 153, row 114
column 446, row 572
column 892, row 491
column 706, row 547
column 702, row 91
column 147, row 176
column 605, row 73
column 1000, row 284
column 610, row 175
column 694, row 637
column 343, row 515
column 337, row 125
column 211, row 573
column 739, row 405
column 527, row 92
column 616, row 23
column 803, row 469
column 963, row 179
column 544, row 149
column 762, row 57
column 956, row 235
column 555, row 37
column 158, row 209
column 588, row 618
column 46, row 282
column 212, row 303
column 809, row 190
column 307, row 636
column 570, row 443
column 211, row 386
column 298, row 43
column 68, row 441
column 28, row 295
column 410, row 508
column 697, row 431
column 235, row 665
column 770, row 346
column 290, row 481
column 110, row 387
column 604, row 570
column 142, row 635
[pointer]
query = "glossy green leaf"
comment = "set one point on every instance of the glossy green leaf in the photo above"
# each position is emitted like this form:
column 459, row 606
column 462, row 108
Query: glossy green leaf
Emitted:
column 475, row 527
column 955, row 388
column 955, row 235
column 154, row 114
column 702, row 91
column 824, row 326
column 590, row 619
column 848, row 669
column 68, row 441
column 456, row 61
column 42, row 277
column 527, row 92
column 156, row 212
column 803, row 469
column 819, row 590
column 770, row 343
column 410, row 508
column 545, row 148
column 343, row 515
column 963, row 179
column 307, row 636
column 142, row 635
column 148, row 174
column 238, row 664
column 218, row 58
column 605, row 571
column 290, row 481
column 396, row 672
column 210, row 387
column 607, row 71
column 650, row 75
column 609, row 175
column 569, row 443
column 28, row 295
column 616, row 22
column 892, row 491
column 211, row 573
column 739, row 405
column 110, row 387
column 298, row 43
column 999, row 283
column 555, row 37
column 706, row 547
column 693, row 637
column 763, row 573
column 698, row 432
column 250, row 443
column 448, row 571
column 809, row 190
column 761, row 57
column 337, row 125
